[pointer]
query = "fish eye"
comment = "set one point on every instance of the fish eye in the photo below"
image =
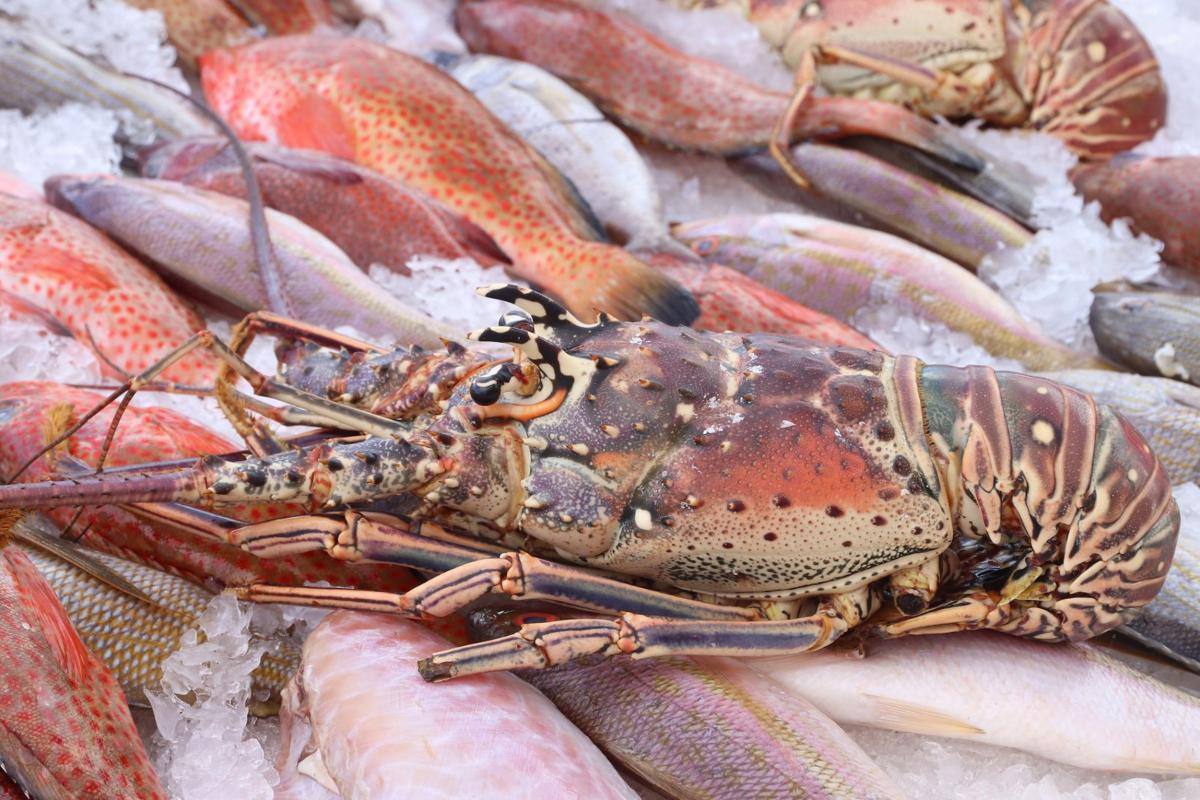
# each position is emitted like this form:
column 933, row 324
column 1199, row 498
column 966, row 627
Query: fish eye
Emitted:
column 705, row 246
column 811, row 10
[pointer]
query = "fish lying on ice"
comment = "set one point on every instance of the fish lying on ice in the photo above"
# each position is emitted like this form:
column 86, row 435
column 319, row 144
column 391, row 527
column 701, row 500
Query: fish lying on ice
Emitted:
column 1067, row 702
column 846, row 272
column 201, row 240
column 1166, row 412
column 394, row 113
column 359, row 719
column 574, row 136
column 36, row 71
column 105, row 297
column 1155, row 333
column 374, row 219
column 703, row 728
column 65, row 731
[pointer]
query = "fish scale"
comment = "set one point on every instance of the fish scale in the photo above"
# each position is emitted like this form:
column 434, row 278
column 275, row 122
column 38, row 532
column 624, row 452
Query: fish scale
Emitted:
column 104, row 296
column 405, row 118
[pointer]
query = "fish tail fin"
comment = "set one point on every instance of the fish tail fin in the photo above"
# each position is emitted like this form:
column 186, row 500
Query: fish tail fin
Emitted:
column 593, row 277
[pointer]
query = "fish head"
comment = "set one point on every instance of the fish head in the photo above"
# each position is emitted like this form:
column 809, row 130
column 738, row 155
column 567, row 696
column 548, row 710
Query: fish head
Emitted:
column 178, row 159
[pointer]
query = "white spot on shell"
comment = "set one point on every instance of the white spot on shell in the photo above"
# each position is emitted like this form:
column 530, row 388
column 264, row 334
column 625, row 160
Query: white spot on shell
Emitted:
column 641, row 518
column 1043, row 432
column 1043, row 390
column 787, row 423
column 685, row 411
column 1097, row 51
column 1133, row 476
column 579, row 448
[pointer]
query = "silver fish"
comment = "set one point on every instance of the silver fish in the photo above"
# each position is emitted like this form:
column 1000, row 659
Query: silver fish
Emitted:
column 1155, row 333
column 1166, row 412
column 852, row 273
column 704, row 728
column 1069, row 703
column 573, row 135
column 200, row 239
column 37, row 71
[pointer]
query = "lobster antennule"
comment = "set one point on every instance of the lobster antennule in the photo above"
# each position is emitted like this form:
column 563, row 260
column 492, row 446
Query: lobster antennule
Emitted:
column 183, row 486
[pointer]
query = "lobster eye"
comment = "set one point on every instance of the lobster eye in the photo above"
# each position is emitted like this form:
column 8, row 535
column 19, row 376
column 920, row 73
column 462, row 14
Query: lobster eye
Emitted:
column 488, row 385
column 811, row 9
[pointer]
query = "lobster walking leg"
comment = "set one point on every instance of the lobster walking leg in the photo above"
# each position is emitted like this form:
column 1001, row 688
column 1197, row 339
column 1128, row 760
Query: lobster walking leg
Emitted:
column 548, row 644
column 466, row 575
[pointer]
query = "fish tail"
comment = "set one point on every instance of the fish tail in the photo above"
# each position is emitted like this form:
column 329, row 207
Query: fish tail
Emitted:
column 592, row 277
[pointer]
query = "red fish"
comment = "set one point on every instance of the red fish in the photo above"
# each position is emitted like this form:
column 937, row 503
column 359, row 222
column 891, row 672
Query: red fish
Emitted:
column 373, row 218
column 105, row 297
column 395, row 113
column 147, row 435
column 282, row 17
column 65, row 729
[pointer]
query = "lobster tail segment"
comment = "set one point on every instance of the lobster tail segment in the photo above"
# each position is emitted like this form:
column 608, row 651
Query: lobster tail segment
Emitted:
column 1037, row 465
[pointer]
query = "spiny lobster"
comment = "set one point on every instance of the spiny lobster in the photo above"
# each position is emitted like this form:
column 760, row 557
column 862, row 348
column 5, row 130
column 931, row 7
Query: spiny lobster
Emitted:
column 717, row 493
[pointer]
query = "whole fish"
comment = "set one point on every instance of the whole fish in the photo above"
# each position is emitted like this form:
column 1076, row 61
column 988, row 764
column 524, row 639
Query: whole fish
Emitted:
column 574, row 136
column 133, row 636
column 706, row 729
column 196, row 26
column 1155, row 333
column 105, row 297
column 65, row 731
column 1157, row 194
column 375, row 729
column 1166, row 413
column 374, row 219
column 844, row 270
column 201, row 240
column 281, row 17
column 951, row 224
column 1066, row 702
column 1170, row 624
column 669, row 96
column 730, row 301
column 394, row 113
column 37, row 71
column 146, row 434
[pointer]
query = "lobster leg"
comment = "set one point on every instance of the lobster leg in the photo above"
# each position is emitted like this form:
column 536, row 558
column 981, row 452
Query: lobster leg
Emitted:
column 781, row 136
column 466, row 574
column 548, row 644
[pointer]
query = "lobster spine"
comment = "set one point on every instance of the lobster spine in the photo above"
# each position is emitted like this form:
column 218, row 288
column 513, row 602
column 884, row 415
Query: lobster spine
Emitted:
column 1024, row 457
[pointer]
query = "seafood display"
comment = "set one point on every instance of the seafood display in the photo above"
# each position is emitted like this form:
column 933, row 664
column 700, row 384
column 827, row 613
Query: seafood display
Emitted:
column 356, row 353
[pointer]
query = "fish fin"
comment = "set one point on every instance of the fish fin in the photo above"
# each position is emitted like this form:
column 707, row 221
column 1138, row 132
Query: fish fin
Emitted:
column 46, row 614
column 313, row 766
column 53, row 263
column 1185, row 396
column 912, row 718
column 1156, row 766
column 314, row 123
column 20, row 305
column 335, row 172
column 37, row 531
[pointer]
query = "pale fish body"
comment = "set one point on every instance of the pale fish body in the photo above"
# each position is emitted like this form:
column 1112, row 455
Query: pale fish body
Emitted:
column 1070, row 703
column 961, row 228
column 133, row 637
column 1171, row 622
column 1166, row 412
column 1155, row 333
column 846, row 271
column 37, row 71
column 705, row 729
column 573, row 135
column 202, row 240
column 378, row 730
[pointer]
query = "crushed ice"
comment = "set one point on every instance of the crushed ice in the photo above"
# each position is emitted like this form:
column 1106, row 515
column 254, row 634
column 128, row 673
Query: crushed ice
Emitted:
column 203, row 752
column 70, row 138
column 445, row 289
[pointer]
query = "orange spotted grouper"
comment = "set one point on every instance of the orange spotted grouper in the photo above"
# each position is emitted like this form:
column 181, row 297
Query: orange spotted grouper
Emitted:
column 105, row 297
column 147, row 435
column 394, row 113
column 65, row 729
